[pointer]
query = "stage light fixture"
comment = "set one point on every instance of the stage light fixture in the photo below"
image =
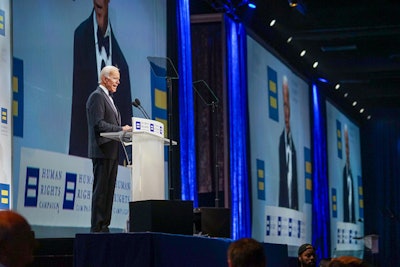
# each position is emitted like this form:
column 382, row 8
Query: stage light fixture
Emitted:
column 337, row 86
column 346, row 95
column 354, row 103
column 272, row 23
column 303, row 53
column 369, row 117
column 315, row 65
column 251, row 4
column 362, row 110
column 293, row 3
column 289, row 39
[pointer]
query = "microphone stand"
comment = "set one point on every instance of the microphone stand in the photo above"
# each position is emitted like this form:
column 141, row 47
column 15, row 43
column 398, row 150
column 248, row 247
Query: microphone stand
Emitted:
column 208, row 97
column 214, row 109
column 170, row 151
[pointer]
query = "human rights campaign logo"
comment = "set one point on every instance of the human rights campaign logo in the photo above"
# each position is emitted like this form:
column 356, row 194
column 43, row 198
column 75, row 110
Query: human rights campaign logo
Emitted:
column 31, row 187
column 4, row 196
column 2, row 22
column 4, row 115
column 151, row 127
column 137, row 125
column 70, row 190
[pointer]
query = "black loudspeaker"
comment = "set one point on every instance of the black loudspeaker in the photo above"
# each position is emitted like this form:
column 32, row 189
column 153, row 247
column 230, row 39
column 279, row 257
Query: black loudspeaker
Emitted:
column 165, row 216
column 215, row 222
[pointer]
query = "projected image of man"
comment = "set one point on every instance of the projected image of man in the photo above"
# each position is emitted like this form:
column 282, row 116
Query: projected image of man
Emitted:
column 348, row 192
column 95, row 46
column 288, row 191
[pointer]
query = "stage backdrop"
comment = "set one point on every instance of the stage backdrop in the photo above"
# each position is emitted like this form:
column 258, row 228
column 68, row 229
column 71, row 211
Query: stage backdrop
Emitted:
column 345, row 183
column 6, row 109
column 280, row 163
column 53, row 183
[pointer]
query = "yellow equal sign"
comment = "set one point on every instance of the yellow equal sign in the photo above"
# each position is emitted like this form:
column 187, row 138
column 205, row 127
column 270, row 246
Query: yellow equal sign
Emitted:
column 260, row 174
column 1, row 22
column 4, row 197
column 160, row 99
column 4, row 115
column 15, row 90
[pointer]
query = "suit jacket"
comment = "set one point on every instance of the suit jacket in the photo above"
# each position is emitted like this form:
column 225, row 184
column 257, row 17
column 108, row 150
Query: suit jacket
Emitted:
column 283, row 184
column 346, row 191
column 85, row 79
column 102, row 117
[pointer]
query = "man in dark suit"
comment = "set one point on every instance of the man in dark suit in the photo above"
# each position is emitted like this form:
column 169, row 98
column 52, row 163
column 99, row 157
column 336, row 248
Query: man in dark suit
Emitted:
column 348, row 190
column 103, row 116
column 288, row 191
column 95, row 46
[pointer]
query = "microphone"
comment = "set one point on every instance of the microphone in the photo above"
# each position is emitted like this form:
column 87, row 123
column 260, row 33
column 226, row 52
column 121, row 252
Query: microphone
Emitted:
column 136, row 104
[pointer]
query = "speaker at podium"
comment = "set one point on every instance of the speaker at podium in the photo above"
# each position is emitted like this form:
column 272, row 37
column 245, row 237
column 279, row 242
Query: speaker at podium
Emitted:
column 147, row 141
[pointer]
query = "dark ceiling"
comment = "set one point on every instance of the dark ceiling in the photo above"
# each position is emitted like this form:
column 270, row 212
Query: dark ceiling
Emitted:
column 356, row 44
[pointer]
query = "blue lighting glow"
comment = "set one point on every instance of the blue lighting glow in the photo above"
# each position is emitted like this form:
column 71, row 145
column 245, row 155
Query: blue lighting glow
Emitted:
column 323, row 80
column 251, row 5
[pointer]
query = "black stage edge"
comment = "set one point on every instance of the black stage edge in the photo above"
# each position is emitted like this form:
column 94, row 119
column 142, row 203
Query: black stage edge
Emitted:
column 161, row 250
column 51, row 252
column 164, row 216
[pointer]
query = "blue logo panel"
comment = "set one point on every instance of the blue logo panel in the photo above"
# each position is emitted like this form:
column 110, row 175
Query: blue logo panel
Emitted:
column 260, row 179
column 339, row 139
column 273, row 94
column 18, row 97
column 31, row 187
column 70, row 190
column 4, row 196
column 2, row 22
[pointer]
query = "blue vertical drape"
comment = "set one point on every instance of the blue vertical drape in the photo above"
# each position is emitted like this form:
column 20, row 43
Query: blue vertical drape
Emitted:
column 320, row 207
column 238, row 128
column 186, row 110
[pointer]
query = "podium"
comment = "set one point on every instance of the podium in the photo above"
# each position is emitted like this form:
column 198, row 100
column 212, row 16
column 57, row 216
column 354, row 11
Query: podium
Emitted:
column 147, row 141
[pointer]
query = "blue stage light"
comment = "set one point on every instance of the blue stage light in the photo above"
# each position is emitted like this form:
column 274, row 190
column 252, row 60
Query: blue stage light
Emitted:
column 251, row 5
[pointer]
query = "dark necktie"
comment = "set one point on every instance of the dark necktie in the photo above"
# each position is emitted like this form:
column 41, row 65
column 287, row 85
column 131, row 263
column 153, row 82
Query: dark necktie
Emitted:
column 103, row 42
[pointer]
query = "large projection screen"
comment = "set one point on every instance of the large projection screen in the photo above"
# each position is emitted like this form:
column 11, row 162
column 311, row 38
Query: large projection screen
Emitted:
column 53, row 184
column 280, row 163
column 5, row 107
column 345, row 184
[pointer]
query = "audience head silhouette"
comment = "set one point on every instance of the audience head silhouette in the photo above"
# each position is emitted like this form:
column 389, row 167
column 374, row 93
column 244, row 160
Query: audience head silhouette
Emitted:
column 306, row 256
column 17, row 240
column 246, row 252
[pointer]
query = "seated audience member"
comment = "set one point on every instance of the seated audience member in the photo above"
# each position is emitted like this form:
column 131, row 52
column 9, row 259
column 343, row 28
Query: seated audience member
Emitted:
column 306, row 256
column 17, row 240
column 348, row 261
column 246, row 252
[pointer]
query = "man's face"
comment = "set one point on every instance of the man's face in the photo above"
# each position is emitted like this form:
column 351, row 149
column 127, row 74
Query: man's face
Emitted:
column 101, row 10
column 307, row 258
column 112, row 82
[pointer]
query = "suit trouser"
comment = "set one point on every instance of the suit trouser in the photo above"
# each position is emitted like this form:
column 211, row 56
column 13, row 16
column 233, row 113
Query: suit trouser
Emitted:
column 104, row 178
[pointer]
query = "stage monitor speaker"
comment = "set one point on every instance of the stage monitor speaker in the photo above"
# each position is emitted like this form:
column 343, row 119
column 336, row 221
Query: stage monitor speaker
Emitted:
column 165, row 216
column 215, row 222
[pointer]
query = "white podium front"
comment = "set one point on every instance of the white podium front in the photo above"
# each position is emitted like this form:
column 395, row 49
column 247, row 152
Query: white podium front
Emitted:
column 147, row 140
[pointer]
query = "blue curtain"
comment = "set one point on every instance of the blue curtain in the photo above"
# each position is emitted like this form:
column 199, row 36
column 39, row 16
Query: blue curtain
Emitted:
column 381, row 173
column 186, row 110
column 320, row 207
column 238, row 128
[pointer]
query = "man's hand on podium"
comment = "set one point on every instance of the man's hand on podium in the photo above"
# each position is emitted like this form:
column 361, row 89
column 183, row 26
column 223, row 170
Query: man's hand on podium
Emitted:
column 126, row 128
